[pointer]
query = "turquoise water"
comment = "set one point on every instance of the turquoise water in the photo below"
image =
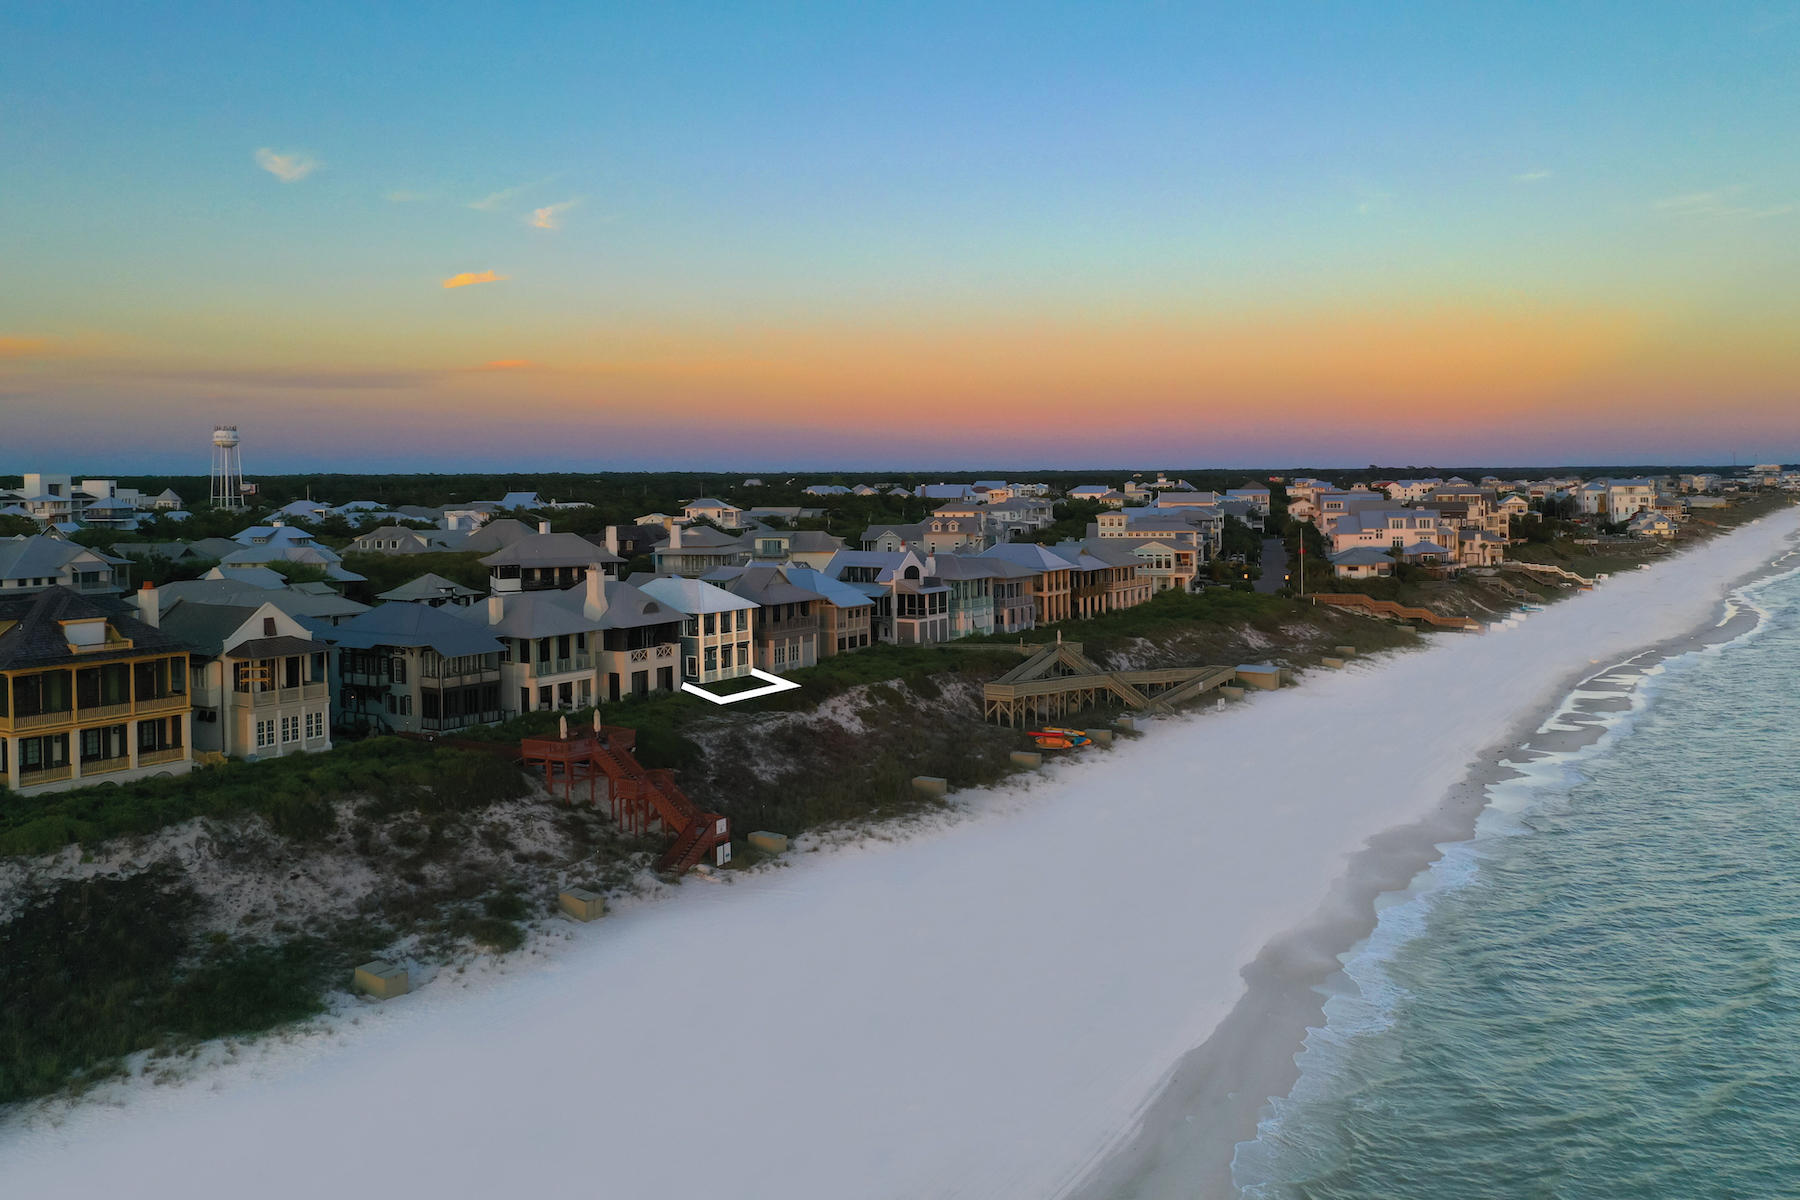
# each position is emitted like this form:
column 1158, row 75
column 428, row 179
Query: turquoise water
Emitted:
column 1597, row 996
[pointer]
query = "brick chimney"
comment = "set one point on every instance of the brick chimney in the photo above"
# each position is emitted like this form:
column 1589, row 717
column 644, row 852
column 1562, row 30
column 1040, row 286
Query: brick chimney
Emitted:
column 543, row 527
column 149, row 607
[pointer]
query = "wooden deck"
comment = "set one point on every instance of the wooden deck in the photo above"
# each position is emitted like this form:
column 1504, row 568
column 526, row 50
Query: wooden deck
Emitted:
column 1059, row 679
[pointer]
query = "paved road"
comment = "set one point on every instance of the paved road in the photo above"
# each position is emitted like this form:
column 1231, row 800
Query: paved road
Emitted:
column 1274, row 566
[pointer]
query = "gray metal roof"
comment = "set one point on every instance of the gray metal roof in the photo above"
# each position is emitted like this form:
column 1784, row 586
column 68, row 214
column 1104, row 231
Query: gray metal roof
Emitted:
column 550, row 550
column 693, row 595
column 428, row 586
column 417, row 625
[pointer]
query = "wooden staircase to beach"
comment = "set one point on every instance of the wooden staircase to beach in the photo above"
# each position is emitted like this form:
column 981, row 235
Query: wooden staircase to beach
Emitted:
column 641, row 798
column 1394, row 610
column 1549, row 570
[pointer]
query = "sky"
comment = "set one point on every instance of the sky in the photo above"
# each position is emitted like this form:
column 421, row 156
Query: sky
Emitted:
column 824, row 236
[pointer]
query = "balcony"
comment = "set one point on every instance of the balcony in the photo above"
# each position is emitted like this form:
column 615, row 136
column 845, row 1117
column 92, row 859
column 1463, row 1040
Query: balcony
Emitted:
column 466, row 679
column 105, row 766
column 562, row 666
column 46, row 775
column 46, row 720
column 163, row 704
column 441, row 724
column 102, row 712
column 151, row 758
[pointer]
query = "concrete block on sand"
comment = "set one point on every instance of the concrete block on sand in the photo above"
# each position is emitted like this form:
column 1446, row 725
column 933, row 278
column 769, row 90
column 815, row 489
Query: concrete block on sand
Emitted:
column 1027, row 758
column 582, row 904
column 769, row 843
column 381, row 980
column 1266, row 676
column 931, row 785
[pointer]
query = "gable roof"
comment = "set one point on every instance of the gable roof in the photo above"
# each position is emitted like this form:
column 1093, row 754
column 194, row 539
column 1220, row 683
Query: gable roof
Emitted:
column 551, row 550
column 290, row 600
column 502, row 531
column 204, row 627
column 429, row 586
column 834, row 592
column 703, row 537
column 413, row 625
column 693, row 595
column 1028, row 554
column 42, row 556
column 767, row 585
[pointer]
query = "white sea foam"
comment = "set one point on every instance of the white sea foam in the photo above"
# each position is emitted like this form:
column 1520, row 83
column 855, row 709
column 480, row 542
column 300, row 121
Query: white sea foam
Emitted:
column 978, row 1011
column 1540, row 781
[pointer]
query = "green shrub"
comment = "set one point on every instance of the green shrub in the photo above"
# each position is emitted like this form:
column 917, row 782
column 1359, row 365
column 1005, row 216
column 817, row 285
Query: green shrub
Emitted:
column 93, row 970
column 491, row 933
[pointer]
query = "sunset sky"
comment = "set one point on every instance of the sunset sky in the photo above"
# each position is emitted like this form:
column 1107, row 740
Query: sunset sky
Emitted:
column 488, row 236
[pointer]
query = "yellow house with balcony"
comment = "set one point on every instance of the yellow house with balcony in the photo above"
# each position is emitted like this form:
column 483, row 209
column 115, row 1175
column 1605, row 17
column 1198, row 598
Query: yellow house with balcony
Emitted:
column 88, row 694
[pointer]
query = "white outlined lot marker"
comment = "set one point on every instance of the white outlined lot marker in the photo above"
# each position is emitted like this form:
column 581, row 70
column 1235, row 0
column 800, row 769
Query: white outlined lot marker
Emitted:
column 775, row 684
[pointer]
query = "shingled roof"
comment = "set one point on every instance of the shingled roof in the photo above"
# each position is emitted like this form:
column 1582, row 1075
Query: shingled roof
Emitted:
column 31, row 634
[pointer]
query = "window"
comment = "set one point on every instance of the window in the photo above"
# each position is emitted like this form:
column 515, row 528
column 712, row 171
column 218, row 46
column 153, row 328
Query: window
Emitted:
column 780, row 654
column 315, row 725
column 406, row 705
column 399, row 675
column 265, row 734
column 290, row 729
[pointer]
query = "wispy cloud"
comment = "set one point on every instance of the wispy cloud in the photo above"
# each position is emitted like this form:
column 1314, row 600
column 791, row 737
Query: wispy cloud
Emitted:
column 321, row 379
column 469, row 277
column 504, row 364
column 550, row 216
column 24, row 347
column 1535, row 175
column 1720, row 204
column 494, row 200
column 290, row 167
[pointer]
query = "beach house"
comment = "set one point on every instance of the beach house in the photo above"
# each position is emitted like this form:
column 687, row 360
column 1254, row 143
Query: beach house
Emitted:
column 715, row 630
column 412, row 668
column 260, row 679
column 89, row 691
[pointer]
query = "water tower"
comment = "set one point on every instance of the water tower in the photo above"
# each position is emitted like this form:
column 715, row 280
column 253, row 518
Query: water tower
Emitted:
column 227, row 468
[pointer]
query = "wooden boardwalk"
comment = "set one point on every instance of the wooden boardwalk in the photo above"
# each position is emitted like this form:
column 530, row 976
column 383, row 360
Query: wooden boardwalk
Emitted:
column 1547, row 569
column 1059, row 679
column 1390, row 608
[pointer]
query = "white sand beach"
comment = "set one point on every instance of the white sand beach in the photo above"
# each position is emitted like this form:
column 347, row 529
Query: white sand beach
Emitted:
column 985, row 1010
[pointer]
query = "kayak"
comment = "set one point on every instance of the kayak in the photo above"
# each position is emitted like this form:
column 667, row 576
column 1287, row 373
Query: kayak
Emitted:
column 1052, row 738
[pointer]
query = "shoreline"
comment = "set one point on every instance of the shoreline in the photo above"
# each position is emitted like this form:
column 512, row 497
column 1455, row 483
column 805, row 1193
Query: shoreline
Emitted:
column 981, row 1008
column 1218, row 1092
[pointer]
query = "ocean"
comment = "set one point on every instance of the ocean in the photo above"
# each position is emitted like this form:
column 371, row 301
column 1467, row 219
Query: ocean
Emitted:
column 1598, row 995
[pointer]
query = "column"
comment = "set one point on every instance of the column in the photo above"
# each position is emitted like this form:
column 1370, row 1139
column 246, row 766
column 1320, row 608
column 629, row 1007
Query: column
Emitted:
column 12, row 761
